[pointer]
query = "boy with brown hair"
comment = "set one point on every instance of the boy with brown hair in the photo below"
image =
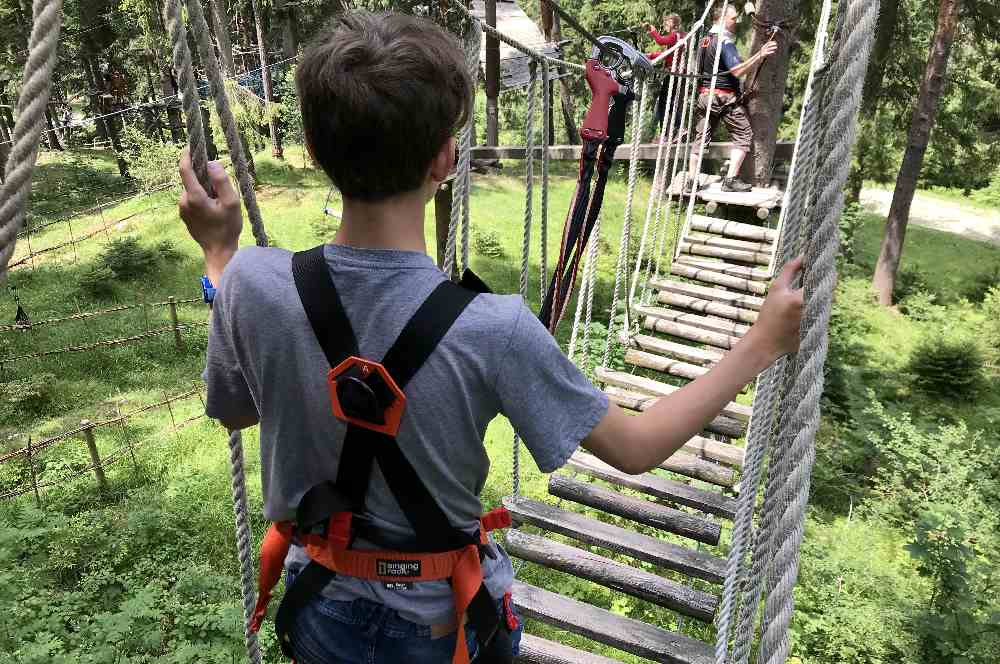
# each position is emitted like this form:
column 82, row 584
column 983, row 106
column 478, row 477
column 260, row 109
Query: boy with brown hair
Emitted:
column 381, row 96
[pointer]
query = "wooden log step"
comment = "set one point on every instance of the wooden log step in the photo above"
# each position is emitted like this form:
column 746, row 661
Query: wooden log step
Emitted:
column 709, row 502
column 635, row 509
column 707, row 448
column 704, row 306
column 536, row 650
column 755, row 273
column 617, row 631
column 711, row 323
column 699, row 469
column 665, row 365
column 611, row 574
column 706, row 293
column 649, row 386
column 691, row 333
column 753, row 257
column 658, row 346
column 584, row 529
column 706, row 275
column 733, row 229
column 694, row 237
column 722, row 425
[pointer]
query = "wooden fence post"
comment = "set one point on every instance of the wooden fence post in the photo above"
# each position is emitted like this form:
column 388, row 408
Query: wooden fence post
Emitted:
column 173, row 322
column 34, row 476
column 88, row 436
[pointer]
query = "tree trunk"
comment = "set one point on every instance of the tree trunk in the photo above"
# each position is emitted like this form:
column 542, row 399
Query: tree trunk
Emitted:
column 169, row 89
column 553, row 33
column 265, row 77
column 492, row 78
column 888, row 17
column 289, row 29
column 220, row 19
column 4, row 144
column 766, row 104
column 916, row 145
column 50, row 135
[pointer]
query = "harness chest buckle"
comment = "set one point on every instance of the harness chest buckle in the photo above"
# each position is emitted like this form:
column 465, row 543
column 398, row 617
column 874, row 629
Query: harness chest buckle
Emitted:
column 364, row 394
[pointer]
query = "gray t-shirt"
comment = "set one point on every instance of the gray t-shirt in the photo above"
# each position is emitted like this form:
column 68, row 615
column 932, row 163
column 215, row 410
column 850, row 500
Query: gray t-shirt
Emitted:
column 497, row 358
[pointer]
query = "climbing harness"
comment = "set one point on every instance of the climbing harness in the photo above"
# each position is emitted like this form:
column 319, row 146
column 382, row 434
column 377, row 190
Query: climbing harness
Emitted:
column 612, row 72
column 21, row 318
column 370, row 398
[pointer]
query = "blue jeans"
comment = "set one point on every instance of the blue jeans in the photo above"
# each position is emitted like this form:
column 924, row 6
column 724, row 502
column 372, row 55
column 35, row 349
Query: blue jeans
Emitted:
column 365, row 632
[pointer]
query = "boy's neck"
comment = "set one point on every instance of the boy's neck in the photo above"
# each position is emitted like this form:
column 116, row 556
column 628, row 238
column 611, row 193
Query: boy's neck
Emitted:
column 395, row 223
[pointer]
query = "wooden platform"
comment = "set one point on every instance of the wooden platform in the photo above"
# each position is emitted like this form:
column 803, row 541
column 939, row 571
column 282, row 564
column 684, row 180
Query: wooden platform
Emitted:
column 763, row 199
column 512, row 21
column 656, row 535
column 647, row 151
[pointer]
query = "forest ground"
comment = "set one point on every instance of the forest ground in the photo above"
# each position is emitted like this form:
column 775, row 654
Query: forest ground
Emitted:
column 946, row 213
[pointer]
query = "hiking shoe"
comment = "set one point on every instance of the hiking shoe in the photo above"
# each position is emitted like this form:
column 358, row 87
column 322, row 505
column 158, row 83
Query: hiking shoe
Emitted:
column 736, row 185
column 688, row 187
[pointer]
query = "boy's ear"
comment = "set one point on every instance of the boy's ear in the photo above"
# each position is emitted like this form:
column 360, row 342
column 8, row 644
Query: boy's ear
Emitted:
column 444, row 161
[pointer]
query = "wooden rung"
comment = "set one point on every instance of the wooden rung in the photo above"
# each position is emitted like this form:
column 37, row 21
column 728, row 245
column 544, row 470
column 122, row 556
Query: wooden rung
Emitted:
column 699, row 469
column 611, row 629
column 732, row 229
column 658, row 346
column 706, row 293
column 536, row 650
column 706, row 306
column 709, row 502
column 710, row 323
column 610, row 574
column 723, row 453
column 753, row 257
column 755, row 273
column 649, row 386
column 706, row 275
column 725, row 426
column 584, row 529
column 635, row 509
column 665, row 365
column 691, row 333
column 694, row 237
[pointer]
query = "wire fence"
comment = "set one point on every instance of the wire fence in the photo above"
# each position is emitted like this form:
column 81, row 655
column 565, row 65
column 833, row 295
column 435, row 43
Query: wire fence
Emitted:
column 87, row 432
column 84, row 315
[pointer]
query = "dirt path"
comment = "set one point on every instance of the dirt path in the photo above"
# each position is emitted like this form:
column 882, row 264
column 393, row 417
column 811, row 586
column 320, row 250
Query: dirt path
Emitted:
column 971, row 222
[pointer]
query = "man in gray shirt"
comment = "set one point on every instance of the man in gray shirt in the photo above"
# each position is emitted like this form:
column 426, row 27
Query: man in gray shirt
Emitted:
column 381, row 129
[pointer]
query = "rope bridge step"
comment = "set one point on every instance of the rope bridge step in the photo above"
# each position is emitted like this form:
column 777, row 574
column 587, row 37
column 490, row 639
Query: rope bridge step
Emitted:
column 696, row 237
column 678, row 493
column 536, row 650
column 733, row 410
column 710, row 276
column 699, row 469
column 611, row 574
column 587, row 530
column 710, row 323
column 733, row 229
column 752, row 257
column 691, row 333
column 637, row 401
column 705, row 306
column 642, row 511
column 608, row 628
column 711, row 294
column 672, row 349
column 753, row 273
column 638, row 358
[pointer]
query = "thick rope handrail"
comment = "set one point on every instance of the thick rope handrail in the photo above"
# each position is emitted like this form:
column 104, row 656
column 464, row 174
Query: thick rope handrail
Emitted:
column 244, row 542
column 31, row 105
column 467, row 138
column 188, row 92
column 543, row 218
column 513, row 43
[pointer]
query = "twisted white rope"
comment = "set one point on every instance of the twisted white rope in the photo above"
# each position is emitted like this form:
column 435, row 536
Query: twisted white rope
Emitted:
column 31, row 105
column 190, row 100
column 244, row 542
column 543, row 220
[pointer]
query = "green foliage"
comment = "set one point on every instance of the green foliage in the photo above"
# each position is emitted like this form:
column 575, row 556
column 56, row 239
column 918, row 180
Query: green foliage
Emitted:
column 30, row 394
column 991, row 309
column 98, row 281
column 981, row 284
column 910, row 279
column 947, row 365
column 850, row 221
column 487, row 243
column 128, row 259
column 989, row 195
column 150, row 161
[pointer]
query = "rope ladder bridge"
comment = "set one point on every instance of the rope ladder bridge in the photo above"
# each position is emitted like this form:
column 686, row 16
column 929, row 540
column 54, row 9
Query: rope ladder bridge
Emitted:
column 679, row 316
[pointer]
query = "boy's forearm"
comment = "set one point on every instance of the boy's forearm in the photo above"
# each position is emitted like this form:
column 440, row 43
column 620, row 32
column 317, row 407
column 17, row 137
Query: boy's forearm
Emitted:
column 675, row 419
column 215, row 263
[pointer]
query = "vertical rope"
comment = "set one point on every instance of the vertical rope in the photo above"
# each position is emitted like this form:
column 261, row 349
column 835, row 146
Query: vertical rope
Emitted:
column 639, row 112
column 199, row 29
column 461, row 184
column 529, row 173
column 544, row 212
column 244, row 542
column 31, row 105
column 189, row 93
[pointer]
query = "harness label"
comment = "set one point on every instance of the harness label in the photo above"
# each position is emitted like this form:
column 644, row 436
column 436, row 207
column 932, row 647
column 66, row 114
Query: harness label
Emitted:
column 398, row 567
column 398, row 585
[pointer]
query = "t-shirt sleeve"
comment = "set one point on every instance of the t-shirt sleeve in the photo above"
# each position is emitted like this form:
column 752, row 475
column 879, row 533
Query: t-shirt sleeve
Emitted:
column 228, row 395
column 730, row 57
column 548, row 400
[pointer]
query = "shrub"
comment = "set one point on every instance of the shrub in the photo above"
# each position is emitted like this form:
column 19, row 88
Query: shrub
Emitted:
column 909, row 281
column 981, row 284
column 150, row 161
column 29, row 395
column 128, row 259
column 850, row 222
column 487, row 244
column 922, row 305
column 990, row 195
column 991, row 308
column 97, row 281
column 947, row 366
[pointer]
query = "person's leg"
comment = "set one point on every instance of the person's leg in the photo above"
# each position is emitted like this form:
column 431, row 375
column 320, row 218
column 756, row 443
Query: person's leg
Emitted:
column 330, row 631
column 736, row 157
column 661, row 106
column 737, row 121
column 703, row 134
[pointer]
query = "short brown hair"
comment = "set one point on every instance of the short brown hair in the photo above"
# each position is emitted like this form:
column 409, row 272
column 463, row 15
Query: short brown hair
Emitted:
column 380, row 94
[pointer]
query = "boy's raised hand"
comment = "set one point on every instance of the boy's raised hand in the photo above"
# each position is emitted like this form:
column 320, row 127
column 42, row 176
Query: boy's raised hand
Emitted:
column 214, row 223
column 777, row 326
